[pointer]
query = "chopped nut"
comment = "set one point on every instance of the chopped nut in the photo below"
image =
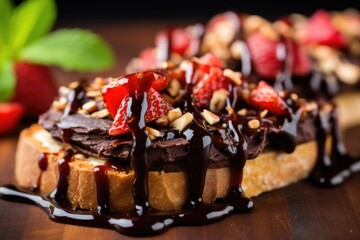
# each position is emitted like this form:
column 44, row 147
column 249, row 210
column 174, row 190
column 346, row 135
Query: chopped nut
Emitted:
column 79, row 155
column 60, row 104
column 253, row 23
column 90, row 106
column 234, row 76
column 74, row 84
column 210, row 117
column 323, row 52
column 153, row 133
column 328, row 65
column 230, row 110
column 254, row 124
column 242, row 112
column 64, row 90
column 294, row 96
column 236, row 49
column 101, row 113
column 181, row 123
column 218, row 100
column 283, row 28
column 93, row 94
column 82, row 111
column 174, row 87
column 264, row 113
column 268, row 31
column 162, row 121
column 311, row 106
column 348, row 73
column 173, row 114
column 327, row 108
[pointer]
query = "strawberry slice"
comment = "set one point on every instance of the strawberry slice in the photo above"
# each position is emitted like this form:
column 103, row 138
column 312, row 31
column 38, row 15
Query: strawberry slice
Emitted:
column 10, row 115
column 263, row 55
column 266, row 97
column 207, row 85
column 180, row 39
column 320, row 30
column 301, row 64
column 148, row 59
column 211, row 60
column 117, row 94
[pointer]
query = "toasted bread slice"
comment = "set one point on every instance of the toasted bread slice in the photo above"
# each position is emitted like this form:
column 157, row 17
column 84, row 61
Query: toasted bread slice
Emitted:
column 167, row 191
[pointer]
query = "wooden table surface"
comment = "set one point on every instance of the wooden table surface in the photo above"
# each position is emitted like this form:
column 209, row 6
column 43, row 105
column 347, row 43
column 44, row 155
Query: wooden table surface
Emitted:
column 300, row 211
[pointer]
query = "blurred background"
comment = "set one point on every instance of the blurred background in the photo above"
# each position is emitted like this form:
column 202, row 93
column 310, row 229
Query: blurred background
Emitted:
column 151, row 16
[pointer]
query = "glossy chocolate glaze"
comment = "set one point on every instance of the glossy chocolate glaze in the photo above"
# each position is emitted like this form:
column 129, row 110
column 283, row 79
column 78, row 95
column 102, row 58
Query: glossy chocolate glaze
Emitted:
column 330, row 170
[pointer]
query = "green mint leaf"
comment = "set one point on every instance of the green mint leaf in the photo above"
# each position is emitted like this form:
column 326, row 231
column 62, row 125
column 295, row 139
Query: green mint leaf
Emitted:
column 6, row 9
column 7, row 80
column 31, row 20
column 71, row 49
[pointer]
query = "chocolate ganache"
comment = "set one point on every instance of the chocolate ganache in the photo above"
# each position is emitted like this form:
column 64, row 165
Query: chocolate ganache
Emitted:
column 251, row 117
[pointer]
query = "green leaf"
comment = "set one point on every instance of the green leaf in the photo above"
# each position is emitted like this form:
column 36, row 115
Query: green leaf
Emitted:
column 7, row 80
column 31, row 20
column 71, row 49
column 6, row 9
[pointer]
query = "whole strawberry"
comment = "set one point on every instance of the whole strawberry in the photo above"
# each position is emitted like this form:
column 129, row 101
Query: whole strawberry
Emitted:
column 28, row 49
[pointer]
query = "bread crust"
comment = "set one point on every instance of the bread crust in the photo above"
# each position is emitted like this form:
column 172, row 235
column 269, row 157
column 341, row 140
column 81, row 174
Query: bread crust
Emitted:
column 167, row 191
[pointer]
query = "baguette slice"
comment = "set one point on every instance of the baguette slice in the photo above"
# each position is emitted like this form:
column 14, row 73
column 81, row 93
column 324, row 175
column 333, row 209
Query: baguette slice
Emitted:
column 167, row 191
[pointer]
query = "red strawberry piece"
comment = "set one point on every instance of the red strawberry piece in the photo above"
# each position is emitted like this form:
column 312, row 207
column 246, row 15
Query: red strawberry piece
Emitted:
column 157, row 107
column 148, row 59
column 266, row 97
column 207, row 85
column 263, row 55
column 209, row 59
column 10, row 115
column 320, row 30
column 35, row 88
column 301, row 64
column 117, row 94
column 180, row 39
column 117, row 90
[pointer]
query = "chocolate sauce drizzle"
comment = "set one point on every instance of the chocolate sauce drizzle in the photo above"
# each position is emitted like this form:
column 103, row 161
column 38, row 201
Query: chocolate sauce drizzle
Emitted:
column 330, row 170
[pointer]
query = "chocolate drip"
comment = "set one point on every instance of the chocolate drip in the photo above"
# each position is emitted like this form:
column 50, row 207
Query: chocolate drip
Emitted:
column 102, row 188
column 331, row 170
column 60, row 192
column 43, row 164
column 199, row 144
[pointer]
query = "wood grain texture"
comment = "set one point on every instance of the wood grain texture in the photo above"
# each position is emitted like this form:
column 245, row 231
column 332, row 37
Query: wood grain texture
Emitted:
column 300, row 211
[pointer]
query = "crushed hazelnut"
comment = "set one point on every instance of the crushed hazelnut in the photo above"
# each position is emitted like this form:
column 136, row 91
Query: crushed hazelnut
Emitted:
column 182, row 122
column 242, row 112
column 89, row 106
column 101, row 113
column 162, row 121
column 64, row 90
column 263, row 113
column 218, row 100
column 254, row 124
column 153, row 133
column 348, row 73
column 173, row 114
column 210, row 117
column 174, row 87
column 268, row 31
column 74, row 84
column 233, row 76
column 60, row 104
